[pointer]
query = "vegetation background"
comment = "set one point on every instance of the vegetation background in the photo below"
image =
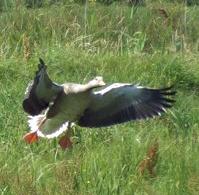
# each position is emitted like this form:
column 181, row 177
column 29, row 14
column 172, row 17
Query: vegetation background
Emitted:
column 154, row 43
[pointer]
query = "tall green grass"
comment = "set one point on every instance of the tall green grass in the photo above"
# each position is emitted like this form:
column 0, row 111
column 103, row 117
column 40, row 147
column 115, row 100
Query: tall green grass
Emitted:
column 117, row 28
column 122, row 45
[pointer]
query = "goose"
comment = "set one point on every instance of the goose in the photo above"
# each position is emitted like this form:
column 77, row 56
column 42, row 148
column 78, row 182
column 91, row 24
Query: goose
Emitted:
column 53, row 109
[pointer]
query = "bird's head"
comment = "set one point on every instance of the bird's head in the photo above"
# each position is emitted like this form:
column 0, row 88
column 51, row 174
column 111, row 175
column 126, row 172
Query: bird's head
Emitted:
column 97, row 82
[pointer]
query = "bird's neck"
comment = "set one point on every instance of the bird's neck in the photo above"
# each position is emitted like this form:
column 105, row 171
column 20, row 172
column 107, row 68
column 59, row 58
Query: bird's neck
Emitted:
column 56, row 88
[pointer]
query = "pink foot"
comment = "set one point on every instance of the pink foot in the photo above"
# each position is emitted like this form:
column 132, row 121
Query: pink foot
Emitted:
column 30, row 137
column 65, row 142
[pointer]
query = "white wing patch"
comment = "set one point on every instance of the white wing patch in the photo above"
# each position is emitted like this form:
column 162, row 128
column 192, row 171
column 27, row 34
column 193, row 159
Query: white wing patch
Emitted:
column 109, row 88
column 35, row 121
column 55, row 133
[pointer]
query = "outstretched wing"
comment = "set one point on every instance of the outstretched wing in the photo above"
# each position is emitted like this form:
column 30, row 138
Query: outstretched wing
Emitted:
column 40, row 92
column 119, row 103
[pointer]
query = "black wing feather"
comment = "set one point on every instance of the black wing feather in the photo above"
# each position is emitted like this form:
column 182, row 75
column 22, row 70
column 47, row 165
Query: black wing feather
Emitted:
column 149, row 103
column 31, row 103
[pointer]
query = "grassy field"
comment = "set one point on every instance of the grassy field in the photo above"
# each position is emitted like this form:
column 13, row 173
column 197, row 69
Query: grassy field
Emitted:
column 138, row 45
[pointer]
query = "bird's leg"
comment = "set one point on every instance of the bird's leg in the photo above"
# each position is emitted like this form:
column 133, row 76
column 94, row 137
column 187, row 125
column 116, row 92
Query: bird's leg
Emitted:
column 65, row 141
column 32, row 136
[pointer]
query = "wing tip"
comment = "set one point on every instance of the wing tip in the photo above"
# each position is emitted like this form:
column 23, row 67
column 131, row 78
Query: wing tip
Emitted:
column 170, row 91
column 164, row 98
column 41, row 64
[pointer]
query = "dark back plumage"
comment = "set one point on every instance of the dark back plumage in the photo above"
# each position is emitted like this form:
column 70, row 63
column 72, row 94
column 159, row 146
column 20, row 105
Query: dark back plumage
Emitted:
column 31, row 103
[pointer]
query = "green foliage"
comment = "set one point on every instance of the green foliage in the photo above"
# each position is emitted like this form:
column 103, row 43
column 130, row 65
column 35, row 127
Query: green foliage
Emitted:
column 188, row 2
column 33, row 3
column 192, row 2
column 124, row 29
column 123, row 44
column 6, row 4
column 106, row 160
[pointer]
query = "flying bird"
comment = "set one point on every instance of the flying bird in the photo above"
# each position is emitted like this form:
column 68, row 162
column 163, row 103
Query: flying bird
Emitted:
column 54, row 108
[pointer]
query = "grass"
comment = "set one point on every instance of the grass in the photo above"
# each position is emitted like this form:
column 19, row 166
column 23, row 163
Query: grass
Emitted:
column 123, row 45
